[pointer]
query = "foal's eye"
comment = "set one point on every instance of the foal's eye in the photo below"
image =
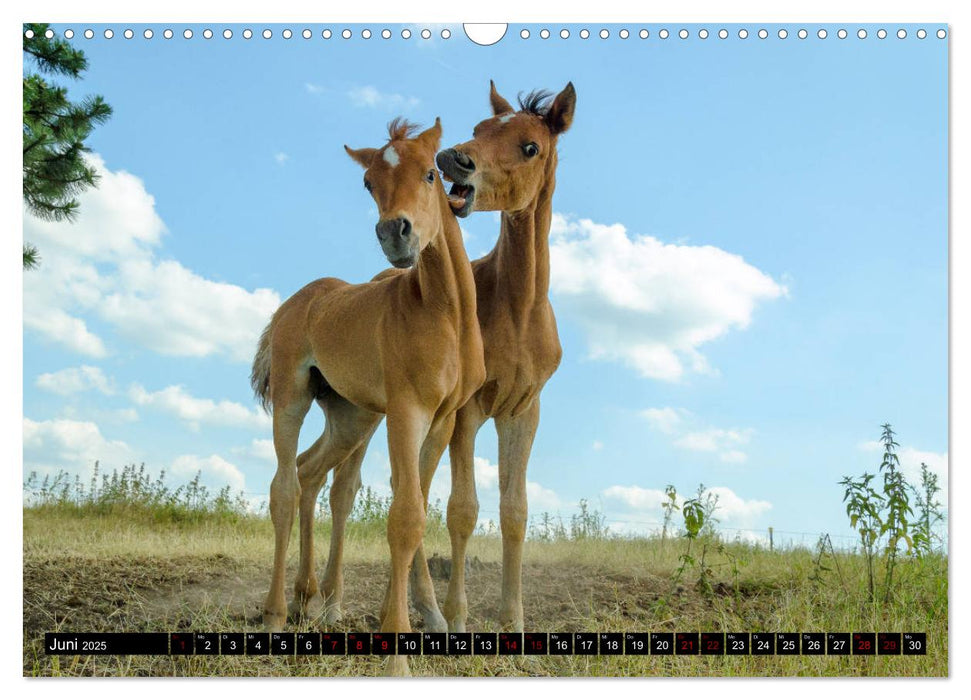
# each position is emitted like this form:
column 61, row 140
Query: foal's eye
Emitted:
column 367, row 184
column 530, row 150
column 430, row 176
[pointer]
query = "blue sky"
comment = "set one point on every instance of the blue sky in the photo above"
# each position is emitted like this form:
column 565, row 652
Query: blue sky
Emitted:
column 749, row 256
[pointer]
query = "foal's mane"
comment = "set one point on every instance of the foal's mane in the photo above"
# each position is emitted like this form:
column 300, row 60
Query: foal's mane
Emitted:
column 536, row 102
column 400, row 128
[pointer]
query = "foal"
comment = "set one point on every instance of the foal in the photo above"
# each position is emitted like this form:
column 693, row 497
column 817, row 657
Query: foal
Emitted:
column 508, row 166
column 405, row 345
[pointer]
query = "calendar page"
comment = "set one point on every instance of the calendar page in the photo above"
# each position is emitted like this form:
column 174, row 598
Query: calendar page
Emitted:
column 544, row 349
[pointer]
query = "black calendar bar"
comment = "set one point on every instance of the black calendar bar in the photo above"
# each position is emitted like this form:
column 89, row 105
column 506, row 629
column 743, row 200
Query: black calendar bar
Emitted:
column 118, row 643
column 487, row 643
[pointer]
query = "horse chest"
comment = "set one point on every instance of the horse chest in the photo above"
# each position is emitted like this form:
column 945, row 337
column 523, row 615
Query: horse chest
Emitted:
column 518, row 365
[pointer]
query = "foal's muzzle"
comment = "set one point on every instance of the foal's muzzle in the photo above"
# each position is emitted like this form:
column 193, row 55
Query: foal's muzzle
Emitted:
column 458, row 168
column 455, row 163
column 397, row 241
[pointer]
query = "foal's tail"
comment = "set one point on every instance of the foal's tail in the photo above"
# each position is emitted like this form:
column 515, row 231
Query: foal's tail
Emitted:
column 260, row 376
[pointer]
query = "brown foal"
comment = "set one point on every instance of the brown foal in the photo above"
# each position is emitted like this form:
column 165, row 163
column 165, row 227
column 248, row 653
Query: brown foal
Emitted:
column 405, row 345
column 508, row 166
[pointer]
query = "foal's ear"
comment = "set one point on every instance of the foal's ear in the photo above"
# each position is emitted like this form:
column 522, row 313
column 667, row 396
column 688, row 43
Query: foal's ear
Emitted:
column 363, row 156
column 499, row 103
column 431, row 136
column 560, row 115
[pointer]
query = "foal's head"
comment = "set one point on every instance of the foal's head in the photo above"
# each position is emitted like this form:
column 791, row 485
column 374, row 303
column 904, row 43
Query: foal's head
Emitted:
column 510, row 155
column 404, row 182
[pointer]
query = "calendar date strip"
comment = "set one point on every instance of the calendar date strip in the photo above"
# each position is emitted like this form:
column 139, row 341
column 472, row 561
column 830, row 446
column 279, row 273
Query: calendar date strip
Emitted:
column 488, row 643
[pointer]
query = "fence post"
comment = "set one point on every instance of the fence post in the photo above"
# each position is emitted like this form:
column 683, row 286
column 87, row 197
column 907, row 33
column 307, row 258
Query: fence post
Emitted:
column 770, row 539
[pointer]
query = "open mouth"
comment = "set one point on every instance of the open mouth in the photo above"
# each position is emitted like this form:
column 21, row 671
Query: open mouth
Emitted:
column 461, row 198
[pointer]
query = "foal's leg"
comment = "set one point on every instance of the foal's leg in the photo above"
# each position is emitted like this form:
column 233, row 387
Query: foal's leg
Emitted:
column 422, row 589
column 407, row 429
column 347, row 432
column 311, row 475
column 463, row 509
column 291, row 404
column 347, row 482
column 515, row 443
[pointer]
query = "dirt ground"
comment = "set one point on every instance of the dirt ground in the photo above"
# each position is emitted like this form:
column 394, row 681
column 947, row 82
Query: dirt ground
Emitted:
column 125, row 594
column 220, row 593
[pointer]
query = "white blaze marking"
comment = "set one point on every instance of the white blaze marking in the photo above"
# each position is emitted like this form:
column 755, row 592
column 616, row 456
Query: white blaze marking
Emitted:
column 391, row 156
column 506, row 117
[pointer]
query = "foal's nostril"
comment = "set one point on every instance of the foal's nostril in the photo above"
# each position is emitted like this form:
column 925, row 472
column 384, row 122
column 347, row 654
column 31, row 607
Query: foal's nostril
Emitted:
column 393, row 227
column 463, row 160
column 451, row 159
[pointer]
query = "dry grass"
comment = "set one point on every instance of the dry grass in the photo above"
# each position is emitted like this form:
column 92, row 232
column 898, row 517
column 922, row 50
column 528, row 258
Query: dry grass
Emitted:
column 115, row 573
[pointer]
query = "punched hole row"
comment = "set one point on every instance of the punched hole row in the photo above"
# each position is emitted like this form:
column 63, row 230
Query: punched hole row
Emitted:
column 524, row 33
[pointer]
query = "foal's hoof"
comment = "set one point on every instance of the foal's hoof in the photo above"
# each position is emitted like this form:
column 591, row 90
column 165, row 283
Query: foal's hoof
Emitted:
column 304, row 609
column 397, row 666
column 434, row 621
column 507, row 625
column 457, row 625
column 333, row 614
column 273, row 622
column 431, row 617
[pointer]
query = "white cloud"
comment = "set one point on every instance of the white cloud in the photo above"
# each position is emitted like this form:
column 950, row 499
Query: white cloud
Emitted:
column 174, row 311
column 665, row 419
column 127, row 415
column 176, row 401
column 910, row 461
column 733, row 456
column 61, row 327
column 486, row 474
column 280, row 157
column 638, row 510
column 649, row 304
column 116, row 220
column 735, row 510
column 261, row 449
column 74, row 380
column 538, row 497
column 716, row 440
column 686, row 433
column 215, row 471
column 369, row 96
column 541, row 499
column 71, row 445
column 104, row 266
column 637, row 498
column 259, row 503
column 597, row 445
column 314, row 89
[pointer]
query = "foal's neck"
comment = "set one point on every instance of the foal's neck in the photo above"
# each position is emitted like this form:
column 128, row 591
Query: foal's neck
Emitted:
column 522, row 253
column 443, row 274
